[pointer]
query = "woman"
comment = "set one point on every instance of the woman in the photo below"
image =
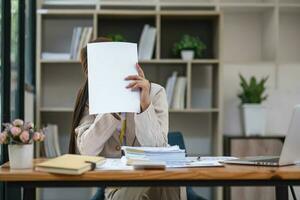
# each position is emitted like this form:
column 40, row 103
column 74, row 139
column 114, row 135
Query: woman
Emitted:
column 104, row 134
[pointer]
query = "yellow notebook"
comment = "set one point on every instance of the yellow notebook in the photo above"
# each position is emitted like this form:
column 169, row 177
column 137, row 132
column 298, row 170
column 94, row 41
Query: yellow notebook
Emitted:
column 69, row 164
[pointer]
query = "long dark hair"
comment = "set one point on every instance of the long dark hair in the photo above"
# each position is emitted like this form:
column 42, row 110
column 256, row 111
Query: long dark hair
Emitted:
column 82, row 96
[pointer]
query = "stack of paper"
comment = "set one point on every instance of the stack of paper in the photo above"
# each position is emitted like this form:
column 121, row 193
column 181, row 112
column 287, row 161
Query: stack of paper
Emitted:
column 154, row 154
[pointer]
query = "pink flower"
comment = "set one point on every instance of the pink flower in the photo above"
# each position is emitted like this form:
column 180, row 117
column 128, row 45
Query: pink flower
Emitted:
column 18, row 122
column 42, row 137
column 24, row 137
column 37, row 136
column 3, row 137
column 29, row 125
column 15, row 131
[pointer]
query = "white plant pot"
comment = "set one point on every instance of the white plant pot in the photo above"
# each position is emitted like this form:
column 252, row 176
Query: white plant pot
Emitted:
column 20, row 156
column 187, row 54
column 254, row 116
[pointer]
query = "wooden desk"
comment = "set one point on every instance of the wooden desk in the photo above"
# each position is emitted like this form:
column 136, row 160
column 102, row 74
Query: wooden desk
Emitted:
column 230, row 175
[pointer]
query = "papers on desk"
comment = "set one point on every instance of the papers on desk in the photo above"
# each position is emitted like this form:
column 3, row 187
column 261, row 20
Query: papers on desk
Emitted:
column 108, row 65
column 201, row 162
column 114, row 164
column 188, row 162
column 155, row 154
column 216, row 158
column 164, row 157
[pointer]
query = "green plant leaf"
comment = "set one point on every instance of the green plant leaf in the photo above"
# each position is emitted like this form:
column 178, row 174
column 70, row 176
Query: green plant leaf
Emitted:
column 252, row 92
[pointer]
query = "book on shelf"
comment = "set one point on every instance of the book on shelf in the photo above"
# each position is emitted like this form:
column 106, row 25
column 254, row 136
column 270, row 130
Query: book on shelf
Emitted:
column 70, row 164
column 81, row 36
column 56, row 56
column 147, row 42
column 176, row 91
column 51, row 144
column 179, row 93
column 170, row 86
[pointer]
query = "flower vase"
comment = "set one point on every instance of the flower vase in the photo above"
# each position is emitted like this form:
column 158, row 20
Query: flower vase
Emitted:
column 20, row 156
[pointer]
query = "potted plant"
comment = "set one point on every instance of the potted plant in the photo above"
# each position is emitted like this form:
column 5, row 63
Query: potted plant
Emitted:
column 117, row 37
column 188, row 47
column 254, row 113
column 20, row 136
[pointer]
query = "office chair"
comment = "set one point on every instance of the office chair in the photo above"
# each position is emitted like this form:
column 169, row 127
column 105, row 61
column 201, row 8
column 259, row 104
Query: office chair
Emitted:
column 174, row 138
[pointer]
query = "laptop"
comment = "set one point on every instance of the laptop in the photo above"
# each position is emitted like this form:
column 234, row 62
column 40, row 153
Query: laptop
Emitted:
column 290, row 153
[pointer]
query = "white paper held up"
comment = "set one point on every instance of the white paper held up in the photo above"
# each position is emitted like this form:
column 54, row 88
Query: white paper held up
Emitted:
column 108, row 65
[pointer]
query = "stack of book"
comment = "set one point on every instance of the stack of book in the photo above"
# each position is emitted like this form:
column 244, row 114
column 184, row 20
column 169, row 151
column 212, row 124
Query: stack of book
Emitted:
column 176, row 91
column 70, row 164
column 81, row 36
column 51, row 144
column 147, row 42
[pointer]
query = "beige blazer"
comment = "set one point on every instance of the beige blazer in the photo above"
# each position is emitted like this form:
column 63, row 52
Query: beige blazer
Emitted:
column 98, row 135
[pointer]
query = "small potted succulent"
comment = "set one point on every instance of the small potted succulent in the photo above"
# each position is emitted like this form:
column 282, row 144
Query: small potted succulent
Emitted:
column 117, row 37
column 20, row 137
column 189, row 47
column 254, row 113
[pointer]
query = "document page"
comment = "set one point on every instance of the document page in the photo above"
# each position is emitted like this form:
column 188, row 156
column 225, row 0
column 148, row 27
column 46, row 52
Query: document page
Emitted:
column 108, row 65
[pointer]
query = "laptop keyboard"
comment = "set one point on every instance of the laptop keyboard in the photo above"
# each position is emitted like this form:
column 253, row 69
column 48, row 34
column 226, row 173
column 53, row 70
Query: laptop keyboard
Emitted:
column 270, row 160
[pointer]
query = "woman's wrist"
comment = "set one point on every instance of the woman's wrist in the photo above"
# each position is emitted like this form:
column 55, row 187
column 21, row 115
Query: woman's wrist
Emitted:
column 145, row 105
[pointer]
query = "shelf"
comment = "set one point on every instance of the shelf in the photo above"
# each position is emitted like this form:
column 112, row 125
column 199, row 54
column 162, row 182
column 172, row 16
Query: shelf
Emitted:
column 195, row 110
column 197, row 26
column 131, row 27
column 246, row 7
column 59, row 61
column 202, row 86
column 153, row 61
column 73, row 12
column 56, row 109
column 57, row 31
column 59, row 85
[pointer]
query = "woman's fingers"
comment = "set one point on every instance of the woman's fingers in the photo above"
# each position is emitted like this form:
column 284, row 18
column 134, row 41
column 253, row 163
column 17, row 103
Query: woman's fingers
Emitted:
column 130, row 85
column 137, row 84
column 140, row 71
column 133, row 77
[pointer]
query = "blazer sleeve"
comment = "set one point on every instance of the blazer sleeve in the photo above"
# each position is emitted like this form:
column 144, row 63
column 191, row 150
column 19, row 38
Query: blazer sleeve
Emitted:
column 93, row 132
column 152, row 125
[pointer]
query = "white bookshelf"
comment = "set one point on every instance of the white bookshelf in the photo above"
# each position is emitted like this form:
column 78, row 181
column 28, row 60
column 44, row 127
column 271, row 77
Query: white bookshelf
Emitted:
column 259, row 37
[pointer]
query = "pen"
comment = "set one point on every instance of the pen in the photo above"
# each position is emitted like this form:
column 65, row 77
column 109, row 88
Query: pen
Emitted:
column 199, row 157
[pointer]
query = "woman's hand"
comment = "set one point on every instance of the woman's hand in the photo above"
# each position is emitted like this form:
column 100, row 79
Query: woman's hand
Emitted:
column 140, row 82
